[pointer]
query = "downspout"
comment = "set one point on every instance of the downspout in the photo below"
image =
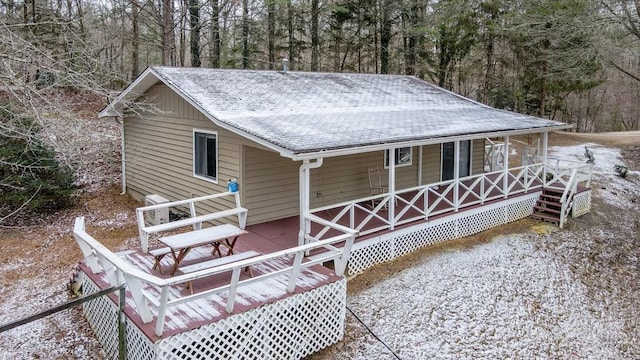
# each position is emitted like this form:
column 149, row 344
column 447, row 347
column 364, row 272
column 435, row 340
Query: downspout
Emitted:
column 304, row 181
column 122, row 156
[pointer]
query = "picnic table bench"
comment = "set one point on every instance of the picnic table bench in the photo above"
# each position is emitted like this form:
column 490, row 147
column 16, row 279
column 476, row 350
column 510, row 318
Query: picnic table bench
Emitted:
column 218, row 262
column 179, row 245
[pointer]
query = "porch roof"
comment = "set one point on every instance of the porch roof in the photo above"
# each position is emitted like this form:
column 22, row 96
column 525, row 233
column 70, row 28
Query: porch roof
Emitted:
column 303, row 114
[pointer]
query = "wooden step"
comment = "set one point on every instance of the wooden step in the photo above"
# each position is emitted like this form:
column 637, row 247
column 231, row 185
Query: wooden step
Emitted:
column 550, row 191
column 546, row 217
column 550, row 196
column 543, row 209
column 549, row 203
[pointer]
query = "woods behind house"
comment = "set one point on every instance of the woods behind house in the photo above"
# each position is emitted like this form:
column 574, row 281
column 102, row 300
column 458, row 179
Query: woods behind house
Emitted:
column 575, row 61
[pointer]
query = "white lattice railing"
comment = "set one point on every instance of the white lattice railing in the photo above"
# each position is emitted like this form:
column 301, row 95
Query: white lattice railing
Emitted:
column 117, row 271
column 370, row 214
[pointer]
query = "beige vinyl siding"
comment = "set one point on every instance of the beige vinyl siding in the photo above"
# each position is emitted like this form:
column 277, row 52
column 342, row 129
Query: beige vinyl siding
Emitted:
column 271, row 181
column 477, row 156
column 431, row 164
column 159, row 150
column 346, row 178
column 270, row 185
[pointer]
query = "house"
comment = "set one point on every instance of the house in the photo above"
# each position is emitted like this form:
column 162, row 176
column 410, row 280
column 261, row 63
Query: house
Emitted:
column 399, row 162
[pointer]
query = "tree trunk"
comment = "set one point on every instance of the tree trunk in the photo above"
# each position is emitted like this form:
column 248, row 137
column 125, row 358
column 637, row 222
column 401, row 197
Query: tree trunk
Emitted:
column 214, row 48
column 194, row 23
column 315, row 38
column 292, row 39
column 135, row 46
column 167, row 32
column 245, row 34
column 385, row 37
column 543, row 88
column 271, row 32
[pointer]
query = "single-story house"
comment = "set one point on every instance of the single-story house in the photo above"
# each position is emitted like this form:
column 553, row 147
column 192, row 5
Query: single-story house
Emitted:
column 394, row 160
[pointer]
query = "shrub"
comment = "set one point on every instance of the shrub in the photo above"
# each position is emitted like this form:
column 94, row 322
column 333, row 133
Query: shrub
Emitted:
column 30, row 174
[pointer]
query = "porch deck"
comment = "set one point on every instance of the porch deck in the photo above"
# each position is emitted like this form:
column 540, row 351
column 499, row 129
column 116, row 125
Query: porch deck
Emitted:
column 189, row 315
column 266, row 238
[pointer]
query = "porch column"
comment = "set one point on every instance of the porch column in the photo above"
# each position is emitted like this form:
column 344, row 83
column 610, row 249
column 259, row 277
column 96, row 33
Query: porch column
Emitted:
column 420, row 165
column 392, row 187
column 456, row 173
column 304, row 181
column 545, row 143
column 505, row 154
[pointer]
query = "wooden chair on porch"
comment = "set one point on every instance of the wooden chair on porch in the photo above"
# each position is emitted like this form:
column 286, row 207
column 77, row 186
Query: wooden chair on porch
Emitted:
column 375, row 184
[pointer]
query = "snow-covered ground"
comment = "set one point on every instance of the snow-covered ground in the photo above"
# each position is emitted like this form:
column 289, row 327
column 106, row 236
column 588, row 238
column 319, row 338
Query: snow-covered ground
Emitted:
column 524, row 295
column 542, row 293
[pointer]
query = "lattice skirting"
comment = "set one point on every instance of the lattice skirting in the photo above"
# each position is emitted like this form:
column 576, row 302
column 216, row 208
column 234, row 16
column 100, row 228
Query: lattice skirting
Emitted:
column 291, row 328
column 395, row 244
column 581, row 204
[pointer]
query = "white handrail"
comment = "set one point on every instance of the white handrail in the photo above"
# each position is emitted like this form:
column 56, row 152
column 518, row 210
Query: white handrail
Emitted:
column 567, row 195
column 99, row 258
column 436, row 198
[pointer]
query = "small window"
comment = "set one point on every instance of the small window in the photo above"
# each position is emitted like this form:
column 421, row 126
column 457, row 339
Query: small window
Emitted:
column 205, row 155
column 403, row 157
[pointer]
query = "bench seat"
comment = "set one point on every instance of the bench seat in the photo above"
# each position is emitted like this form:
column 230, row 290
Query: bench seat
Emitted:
column 218, row 262
column 158, row 254
column 192, row 220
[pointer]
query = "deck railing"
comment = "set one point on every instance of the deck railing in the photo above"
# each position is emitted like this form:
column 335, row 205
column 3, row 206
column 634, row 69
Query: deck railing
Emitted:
column 151, row 292
column 566, row 176
column 558, row 173
column 370, row 214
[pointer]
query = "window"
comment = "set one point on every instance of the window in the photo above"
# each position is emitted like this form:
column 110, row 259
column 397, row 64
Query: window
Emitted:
column 205, row 155
column 403, row 157
column 464, row 163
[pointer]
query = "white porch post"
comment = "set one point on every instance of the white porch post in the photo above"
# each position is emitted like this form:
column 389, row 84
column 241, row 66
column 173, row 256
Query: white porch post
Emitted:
column 392, row 187
column 456, row 173
column 420, row 165
column 304, row 181
column 545, row 143
column 505, row 154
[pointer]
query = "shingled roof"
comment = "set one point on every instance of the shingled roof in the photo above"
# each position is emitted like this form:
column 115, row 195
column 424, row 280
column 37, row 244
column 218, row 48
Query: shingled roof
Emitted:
column 298, row 113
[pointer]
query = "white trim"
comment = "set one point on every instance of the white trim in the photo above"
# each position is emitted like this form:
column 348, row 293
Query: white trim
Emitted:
column 193, row 155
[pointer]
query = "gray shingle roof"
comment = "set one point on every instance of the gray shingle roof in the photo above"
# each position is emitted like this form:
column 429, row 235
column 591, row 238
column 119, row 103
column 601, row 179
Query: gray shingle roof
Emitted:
column 304, row 112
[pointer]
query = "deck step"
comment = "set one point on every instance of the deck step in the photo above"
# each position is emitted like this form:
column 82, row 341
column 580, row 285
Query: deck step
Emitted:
column 546, row 217
column 549, row 203
column 544, row 209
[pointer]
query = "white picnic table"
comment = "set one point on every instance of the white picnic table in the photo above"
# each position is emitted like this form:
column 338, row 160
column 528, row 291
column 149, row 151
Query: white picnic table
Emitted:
column 222, row 235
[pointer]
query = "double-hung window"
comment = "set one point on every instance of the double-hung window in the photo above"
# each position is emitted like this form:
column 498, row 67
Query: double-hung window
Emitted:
column 205, row 155
column 403, row 157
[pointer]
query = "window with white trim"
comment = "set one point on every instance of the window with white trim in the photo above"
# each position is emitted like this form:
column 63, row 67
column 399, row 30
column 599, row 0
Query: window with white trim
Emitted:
column 403, row 157
column 205, row 154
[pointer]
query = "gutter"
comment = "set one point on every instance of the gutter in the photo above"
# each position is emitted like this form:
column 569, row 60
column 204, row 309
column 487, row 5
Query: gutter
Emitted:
column 431, row 141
